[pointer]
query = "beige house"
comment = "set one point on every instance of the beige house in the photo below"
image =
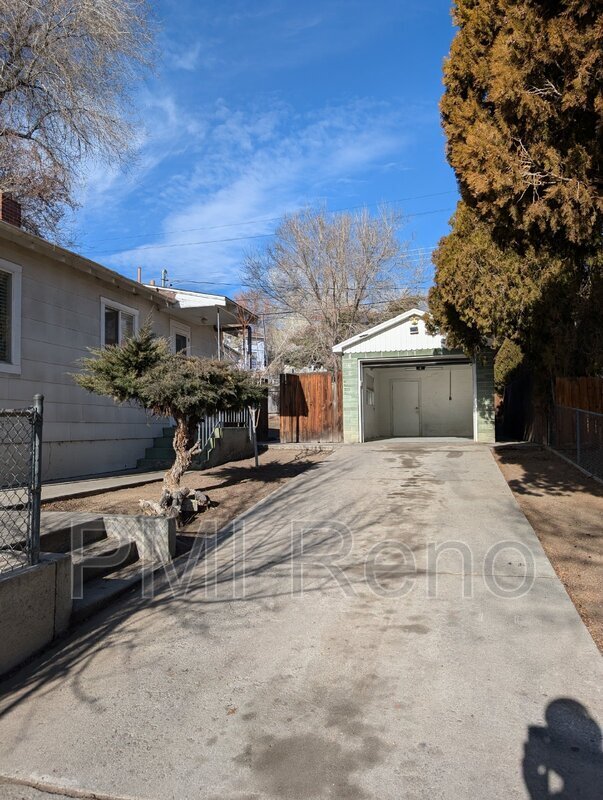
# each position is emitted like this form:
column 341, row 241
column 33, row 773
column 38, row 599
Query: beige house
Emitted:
column 54, row 305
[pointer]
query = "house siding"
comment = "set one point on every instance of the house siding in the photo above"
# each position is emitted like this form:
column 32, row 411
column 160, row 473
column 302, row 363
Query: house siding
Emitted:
column 60, row 321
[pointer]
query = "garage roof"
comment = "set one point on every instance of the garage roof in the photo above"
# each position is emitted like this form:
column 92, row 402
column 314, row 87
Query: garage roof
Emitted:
column 376, row 329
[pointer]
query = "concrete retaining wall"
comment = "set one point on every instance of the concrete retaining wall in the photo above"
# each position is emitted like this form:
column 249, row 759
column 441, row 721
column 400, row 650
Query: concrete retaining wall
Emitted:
column 233, row 444
column 36, row 607
column 155, row 537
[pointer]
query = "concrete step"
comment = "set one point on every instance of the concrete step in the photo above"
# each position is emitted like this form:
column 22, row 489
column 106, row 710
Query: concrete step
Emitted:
column 102, row 557
column 159, row 453
column 154, row 463
column 164, row 441
column 169, row 431
column 158, row 463
column 99, row 592
column 163, row 454
column 56, row 536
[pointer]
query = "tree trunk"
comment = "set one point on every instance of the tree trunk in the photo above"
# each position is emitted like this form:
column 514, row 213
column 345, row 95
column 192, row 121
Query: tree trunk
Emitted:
column 185, row 447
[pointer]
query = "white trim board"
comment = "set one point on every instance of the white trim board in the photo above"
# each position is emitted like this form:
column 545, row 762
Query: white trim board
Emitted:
column 13, row 367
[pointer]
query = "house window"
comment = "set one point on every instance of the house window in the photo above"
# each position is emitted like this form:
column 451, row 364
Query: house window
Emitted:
column 414, row 329
column 10, row 317
column 180, row 336
column 6, row 303
column 118, row 323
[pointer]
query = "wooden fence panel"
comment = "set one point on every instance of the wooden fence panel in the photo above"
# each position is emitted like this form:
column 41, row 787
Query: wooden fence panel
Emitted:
column 310, row 408
column 584, row 393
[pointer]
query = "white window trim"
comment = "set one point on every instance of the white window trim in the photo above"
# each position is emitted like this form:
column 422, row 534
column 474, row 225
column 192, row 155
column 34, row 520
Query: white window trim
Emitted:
column 107, row 302
column 183, row 330
column 14, row 366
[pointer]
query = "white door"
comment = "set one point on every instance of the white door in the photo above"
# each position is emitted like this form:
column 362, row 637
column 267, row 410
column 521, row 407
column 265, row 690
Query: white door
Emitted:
column 406, row 420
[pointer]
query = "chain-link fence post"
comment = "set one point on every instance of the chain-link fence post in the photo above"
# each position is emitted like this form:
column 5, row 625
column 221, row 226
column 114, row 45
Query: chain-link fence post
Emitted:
column 36, row 477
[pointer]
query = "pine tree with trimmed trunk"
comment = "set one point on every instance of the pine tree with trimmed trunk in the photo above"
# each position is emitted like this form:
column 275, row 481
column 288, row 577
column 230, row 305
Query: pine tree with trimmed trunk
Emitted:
column 145, row 373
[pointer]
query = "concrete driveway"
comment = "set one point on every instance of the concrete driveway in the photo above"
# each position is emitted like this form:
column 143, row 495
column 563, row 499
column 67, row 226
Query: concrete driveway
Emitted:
column 386, row 626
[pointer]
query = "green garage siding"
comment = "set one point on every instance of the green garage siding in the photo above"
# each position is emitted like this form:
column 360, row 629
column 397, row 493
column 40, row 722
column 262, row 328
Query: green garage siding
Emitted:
column 484, row 370
column 350, row 399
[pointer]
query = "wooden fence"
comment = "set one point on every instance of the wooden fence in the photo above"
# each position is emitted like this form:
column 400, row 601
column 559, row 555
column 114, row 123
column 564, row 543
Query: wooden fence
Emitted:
column 311, row 408
column 583, row 393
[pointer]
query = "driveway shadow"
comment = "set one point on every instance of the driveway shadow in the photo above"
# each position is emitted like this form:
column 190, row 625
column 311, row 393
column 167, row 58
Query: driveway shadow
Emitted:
column 545, row 472
column 266, row 473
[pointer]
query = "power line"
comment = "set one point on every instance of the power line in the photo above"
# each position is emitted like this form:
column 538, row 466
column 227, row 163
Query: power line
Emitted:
column 272, row 219
column 318, row 310
column 243, row 238
column 415, row 259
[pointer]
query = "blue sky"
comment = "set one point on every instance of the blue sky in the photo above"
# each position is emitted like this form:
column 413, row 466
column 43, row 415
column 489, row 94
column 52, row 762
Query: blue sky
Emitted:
column 260, row 108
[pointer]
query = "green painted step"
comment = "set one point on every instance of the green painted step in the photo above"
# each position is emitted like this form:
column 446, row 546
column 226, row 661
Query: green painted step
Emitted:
column 151, row 464
column 161, row 454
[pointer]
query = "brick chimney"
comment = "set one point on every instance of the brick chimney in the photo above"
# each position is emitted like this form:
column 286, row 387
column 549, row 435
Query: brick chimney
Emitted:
column 10, row 210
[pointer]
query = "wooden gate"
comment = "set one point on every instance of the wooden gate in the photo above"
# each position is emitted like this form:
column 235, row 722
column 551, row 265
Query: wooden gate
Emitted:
column 311, row 408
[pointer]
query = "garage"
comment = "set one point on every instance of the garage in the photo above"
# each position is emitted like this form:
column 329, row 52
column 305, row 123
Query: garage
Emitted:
column 400, row 380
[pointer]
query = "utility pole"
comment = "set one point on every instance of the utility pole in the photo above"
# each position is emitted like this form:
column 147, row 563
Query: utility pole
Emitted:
column 219, row 334
column 265, row 351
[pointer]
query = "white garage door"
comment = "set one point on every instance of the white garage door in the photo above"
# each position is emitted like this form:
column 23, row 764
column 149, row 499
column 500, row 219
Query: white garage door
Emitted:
column 428, row 401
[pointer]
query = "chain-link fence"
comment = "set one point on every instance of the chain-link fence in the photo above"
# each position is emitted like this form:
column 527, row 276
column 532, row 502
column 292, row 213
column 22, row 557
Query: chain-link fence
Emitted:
column 20, row 485
column 578, row 435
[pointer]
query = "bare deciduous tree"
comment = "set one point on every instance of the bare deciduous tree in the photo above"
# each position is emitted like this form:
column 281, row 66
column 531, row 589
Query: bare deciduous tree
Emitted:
column 334, row 274
column 66, row 73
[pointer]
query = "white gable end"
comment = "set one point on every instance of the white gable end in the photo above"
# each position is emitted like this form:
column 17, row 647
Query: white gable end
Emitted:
column 404, row 333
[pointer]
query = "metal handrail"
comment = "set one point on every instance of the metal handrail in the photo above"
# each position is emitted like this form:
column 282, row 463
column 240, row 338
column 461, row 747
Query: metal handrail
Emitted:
column 208, row 424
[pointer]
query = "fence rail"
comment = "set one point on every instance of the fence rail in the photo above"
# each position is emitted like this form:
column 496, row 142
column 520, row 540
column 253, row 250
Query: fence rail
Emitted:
column 578, row 435
column 20, row 485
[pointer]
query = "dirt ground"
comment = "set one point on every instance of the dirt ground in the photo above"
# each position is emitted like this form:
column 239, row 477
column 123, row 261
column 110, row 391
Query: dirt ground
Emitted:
column 565, row 508
column 232, row 488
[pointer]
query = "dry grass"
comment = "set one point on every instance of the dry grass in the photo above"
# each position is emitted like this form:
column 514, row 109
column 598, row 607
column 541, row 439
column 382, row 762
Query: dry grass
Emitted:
column 232, row 487
column 565, row 508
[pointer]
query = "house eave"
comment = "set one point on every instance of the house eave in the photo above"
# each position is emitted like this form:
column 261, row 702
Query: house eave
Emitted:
column 196, row 301
column 61, row 255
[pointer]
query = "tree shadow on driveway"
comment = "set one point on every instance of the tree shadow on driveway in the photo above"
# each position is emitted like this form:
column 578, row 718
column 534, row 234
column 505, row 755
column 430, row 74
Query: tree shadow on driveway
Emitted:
column 540, row 470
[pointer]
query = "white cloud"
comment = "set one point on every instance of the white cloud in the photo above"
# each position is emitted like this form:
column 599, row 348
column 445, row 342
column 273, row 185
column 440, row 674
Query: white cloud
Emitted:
column 228, row 166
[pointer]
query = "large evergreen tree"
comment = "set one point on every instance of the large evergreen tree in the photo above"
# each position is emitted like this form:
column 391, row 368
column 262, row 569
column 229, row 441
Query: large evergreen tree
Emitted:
column 522, row 113
column 491, row 295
